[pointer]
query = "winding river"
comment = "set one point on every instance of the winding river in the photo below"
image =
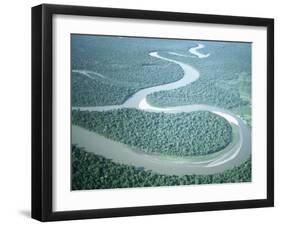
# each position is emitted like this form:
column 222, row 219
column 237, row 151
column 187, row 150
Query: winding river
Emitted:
column 238, row 151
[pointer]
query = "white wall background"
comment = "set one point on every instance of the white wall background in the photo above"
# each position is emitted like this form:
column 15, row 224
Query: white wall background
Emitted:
column 15, row 85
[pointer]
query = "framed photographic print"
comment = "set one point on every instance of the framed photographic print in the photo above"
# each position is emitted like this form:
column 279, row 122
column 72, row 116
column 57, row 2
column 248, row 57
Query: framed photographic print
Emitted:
column 145, row 112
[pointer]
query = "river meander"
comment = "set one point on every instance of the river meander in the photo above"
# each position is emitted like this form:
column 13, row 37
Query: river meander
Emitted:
column 238, row 151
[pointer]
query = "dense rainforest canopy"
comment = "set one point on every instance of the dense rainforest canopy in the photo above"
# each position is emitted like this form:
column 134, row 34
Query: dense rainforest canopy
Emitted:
column 117, row 67
column 125, row 65
column 180, row 134
column 90, row 171
column 225, row 80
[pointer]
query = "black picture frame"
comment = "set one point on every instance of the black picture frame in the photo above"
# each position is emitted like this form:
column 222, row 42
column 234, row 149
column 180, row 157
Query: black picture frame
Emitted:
column 42, row 111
